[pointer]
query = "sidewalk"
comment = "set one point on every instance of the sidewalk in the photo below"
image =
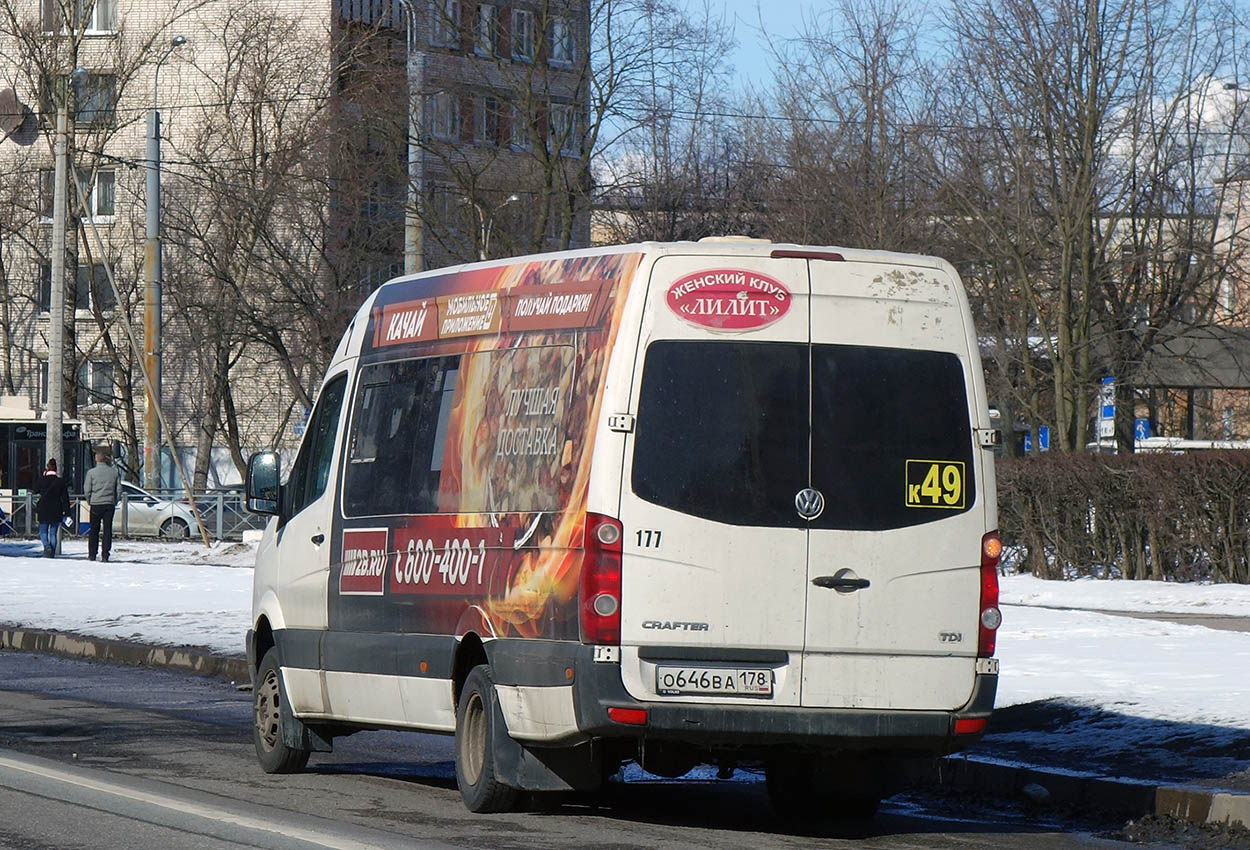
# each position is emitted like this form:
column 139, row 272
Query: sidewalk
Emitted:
column 1128, row 712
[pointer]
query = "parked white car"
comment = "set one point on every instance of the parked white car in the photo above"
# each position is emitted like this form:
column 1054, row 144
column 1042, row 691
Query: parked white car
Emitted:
column 141, row 514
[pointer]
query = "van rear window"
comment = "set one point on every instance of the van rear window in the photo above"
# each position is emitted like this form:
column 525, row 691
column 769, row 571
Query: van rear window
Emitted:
column 724, row 433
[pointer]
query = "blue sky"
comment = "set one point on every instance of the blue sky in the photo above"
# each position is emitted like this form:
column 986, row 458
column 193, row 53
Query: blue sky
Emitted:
column 781, row 18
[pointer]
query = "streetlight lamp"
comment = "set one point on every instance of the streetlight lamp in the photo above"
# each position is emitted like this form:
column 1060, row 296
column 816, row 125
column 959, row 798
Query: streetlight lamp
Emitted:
column 486, row 222
column 55, row 410
column 152, row 282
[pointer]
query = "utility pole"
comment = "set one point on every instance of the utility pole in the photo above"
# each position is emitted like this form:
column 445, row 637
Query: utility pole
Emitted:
column 152, row 279
column 414, row 64
column 55, row 411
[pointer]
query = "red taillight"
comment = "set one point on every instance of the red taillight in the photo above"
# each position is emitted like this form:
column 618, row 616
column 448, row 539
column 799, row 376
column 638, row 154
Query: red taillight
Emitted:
column 989, row 617
column 629, row 716
column 599, row 605
column 969, row 725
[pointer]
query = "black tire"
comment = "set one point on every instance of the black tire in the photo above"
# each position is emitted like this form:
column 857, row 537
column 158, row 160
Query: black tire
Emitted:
column 812, row 791
column 478, row 722
column 267, row 696
column 175, row 529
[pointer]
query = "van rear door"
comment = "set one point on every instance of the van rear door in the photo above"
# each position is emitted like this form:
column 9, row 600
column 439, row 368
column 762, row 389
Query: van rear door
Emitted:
column 893, row 558
column 714, row 565
column 801, row 494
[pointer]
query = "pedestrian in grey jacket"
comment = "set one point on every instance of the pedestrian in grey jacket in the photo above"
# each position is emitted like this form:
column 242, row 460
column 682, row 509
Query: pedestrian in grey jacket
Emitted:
column 102, row 489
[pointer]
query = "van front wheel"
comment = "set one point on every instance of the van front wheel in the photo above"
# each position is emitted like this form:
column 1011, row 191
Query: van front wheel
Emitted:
column 478, row 721
column 274, row 755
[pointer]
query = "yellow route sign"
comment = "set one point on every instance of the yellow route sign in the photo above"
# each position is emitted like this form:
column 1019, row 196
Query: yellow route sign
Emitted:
column 935, row 484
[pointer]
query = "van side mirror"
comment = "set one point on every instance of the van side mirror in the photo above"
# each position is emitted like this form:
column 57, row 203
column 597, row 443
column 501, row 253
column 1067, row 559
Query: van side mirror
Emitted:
column 263, row 483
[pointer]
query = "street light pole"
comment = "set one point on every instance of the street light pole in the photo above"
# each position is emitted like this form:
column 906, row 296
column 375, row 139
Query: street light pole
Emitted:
column 486, row 223
column 55, row 410
column 152, row 283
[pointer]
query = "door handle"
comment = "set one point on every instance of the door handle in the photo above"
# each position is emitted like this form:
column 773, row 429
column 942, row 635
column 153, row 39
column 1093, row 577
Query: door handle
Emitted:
column 841, row 583
column 318, row 539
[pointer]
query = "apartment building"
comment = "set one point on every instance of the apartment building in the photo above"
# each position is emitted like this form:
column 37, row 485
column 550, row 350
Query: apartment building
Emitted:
column 310, row 151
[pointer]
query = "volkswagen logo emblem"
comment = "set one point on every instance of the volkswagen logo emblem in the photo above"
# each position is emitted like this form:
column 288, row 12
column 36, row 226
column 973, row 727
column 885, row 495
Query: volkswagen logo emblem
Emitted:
column 809, row 503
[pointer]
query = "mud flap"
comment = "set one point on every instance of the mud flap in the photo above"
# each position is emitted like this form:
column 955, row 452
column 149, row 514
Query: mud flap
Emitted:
column 297, row 734
column 530, row 768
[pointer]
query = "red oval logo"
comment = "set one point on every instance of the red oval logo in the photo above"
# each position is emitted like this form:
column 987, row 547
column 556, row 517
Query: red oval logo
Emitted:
column 729, row 299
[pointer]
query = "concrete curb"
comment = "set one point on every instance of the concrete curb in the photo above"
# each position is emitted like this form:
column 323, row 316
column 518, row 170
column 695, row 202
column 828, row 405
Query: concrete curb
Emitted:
column 1126, row 797
column 185, row 658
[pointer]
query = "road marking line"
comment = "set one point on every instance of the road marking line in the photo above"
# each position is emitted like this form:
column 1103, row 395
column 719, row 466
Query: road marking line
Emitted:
column 214, row 813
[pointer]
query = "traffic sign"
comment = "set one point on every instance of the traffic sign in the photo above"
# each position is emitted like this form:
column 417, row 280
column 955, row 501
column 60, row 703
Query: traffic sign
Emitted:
column 1028, row 441
column 1043, row 438
column 1141, row 429
column 1106, row 398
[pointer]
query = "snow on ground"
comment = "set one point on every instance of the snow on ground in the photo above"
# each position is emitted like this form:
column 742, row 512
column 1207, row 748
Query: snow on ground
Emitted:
column 1055, row 641
column 169, row 594
column 1135, row 596
column 1143, row 668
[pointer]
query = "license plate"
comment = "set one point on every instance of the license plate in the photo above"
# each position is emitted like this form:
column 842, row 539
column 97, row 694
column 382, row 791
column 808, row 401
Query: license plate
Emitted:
column 725, row 681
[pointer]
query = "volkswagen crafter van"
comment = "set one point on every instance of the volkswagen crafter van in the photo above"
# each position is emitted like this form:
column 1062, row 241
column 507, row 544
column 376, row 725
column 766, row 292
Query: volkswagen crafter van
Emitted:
column 723, row 503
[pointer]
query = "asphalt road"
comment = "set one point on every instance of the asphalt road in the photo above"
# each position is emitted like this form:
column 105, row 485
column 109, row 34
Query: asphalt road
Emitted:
column 99, row 756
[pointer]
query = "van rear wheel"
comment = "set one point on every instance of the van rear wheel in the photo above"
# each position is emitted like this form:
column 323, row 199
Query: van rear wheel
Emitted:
column 478, row 722
column 809, row 790
column 274, row 755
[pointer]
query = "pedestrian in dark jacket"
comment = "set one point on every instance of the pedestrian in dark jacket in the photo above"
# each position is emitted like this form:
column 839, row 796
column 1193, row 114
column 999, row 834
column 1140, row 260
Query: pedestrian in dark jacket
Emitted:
column 52, row 507
column 102, row 488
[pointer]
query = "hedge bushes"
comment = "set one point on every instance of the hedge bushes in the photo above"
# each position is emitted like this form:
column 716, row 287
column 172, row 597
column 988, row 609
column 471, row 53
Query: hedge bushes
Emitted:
column 1166, row 517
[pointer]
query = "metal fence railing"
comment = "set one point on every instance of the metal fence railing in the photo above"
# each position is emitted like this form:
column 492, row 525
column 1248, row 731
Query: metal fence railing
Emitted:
column 161, row 514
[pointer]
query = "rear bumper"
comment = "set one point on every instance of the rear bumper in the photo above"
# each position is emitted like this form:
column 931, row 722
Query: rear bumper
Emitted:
column 598, row 687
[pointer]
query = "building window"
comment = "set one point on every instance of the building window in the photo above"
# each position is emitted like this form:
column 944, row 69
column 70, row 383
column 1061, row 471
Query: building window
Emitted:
column 486, row 30
column 94, row 18
column 445, row 23
column 95, row 382
column 486, row 120
column 444, row 116
column 562, row 129
column 100, row 190
column 518, row 128
column 97, row 101
column 91, row 289
column 43, row 382
column 47, row 184
column 94, row 102
column 101, row 17
column 562, row 47
column 442, row 206
column 522, row 35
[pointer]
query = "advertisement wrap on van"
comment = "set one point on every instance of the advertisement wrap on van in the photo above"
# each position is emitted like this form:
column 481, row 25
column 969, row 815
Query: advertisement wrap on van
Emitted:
column 725, row 502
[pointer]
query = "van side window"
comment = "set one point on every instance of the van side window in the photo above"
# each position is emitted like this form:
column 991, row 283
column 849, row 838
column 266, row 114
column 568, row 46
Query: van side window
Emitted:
column 399, row 429
column 311, row 471
column 499, row 420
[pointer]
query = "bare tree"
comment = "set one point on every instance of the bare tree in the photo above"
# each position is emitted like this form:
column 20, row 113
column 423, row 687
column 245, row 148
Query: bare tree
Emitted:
column 1075, row 155
column 246, row 272
column 41, row 43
